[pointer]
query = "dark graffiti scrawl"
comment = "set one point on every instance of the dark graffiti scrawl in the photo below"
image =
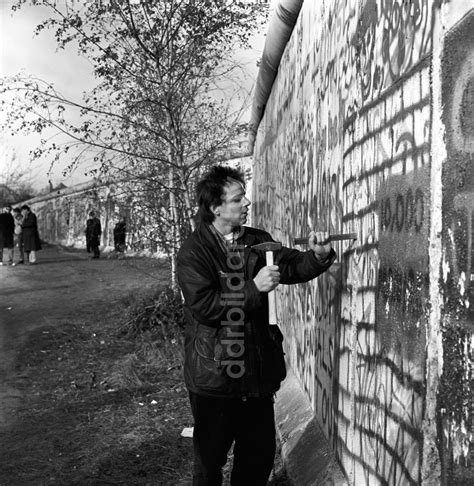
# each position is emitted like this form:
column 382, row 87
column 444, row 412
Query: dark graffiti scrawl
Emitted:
column 385, row 305
column 405, row 32
column 344, row 146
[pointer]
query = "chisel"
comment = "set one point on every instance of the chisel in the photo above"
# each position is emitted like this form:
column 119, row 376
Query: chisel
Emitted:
column 335, row 237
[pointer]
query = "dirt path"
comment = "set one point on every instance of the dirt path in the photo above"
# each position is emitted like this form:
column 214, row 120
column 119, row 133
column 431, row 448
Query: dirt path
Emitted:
column 64, row 283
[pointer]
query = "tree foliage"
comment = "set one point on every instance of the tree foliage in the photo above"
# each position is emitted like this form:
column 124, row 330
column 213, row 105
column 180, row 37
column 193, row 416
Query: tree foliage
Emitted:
column 15, row 184
column 160, row 111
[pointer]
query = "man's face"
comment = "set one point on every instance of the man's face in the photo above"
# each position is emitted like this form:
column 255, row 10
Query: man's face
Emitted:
column 234, row 207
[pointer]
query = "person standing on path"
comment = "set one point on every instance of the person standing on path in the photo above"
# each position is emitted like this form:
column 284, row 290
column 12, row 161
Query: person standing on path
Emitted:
column 7, row 228
column 31, row 239
column 234, row 361
column 120, row 232
column 93, row 232
column 18, row 234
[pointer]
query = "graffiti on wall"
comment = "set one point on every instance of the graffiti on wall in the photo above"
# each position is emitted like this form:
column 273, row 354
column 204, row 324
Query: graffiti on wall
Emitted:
column 385, row 304
column 458, row 215
column 402, row 294
column 344, row 146
column 391, row 38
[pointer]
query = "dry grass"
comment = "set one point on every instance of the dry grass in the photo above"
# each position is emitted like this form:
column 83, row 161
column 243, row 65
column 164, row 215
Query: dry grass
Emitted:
column 98, row 409
column 104, row 403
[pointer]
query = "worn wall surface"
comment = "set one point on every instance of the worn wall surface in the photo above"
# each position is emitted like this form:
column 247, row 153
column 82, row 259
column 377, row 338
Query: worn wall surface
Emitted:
column 346, row 145
column 457, row 97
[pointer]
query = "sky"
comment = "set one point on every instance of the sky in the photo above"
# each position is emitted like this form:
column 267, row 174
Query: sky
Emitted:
column 22, row 51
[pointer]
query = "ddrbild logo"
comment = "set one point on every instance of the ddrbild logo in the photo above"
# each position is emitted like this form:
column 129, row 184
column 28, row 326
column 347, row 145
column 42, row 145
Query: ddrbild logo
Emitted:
column 235, row 316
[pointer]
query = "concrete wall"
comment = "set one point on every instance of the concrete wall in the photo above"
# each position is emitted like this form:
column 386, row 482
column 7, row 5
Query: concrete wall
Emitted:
column 370, row 129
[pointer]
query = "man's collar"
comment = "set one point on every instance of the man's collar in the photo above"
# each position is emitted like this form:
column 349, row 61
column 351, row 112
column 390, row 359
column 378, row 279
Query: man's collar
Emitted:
column 208, row 239
column 248, row 238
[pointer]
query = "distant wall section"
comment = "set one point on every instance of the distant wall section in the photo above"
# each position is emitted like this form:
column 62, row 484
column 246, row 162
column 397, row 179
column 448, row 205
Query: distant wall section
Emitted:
column 62, row 215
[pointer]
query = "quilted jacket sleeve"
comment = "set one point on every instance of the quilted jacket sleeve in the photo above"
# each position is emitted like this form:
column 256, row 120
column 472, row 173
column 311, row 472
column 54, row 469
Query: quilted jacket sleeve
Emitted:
column 207, row 294
column 297, row 267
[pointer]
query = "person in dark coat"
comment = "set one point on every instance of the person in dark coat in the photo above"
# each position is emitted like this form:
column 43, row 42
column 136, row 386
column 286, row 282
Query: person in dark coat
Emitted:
column 7, row 229
column 234, row 361
column 93, row 232
column 18, row 234
column 31, row 239
column 120, row 232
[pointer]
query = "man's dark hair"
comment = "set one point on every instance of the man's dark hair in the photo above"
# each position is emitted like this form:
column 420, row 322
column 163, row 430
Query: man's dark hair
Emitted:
column 25, row 206
column 210, row 189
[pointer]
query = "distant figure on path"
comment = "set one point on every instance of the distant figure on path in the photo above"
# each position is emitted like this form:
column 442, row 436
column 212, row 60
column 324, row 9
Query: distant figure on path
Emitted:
column 18, row 234
column 93, row 232
column 120, row 231
column 31, row 239
column 7, row 227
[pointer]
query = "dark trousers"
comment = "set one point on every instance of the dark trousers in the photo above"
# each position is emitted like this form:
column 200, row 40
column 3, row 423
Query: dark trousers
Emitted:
column 218, row 422
column 92, row 245
column 19, row 244
column 95, row 250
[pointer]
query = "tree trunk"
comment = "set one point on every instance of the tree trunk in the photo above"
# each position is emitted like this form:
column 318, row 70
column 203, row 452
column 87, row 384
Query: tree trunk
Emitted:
column 187, row 203
column 175, row 233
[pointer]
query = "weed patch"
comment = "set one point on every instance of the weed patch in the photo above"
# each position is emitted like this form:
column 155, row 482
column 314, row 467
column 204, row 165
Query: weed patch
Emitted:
column 104, row 401
column 100, row 407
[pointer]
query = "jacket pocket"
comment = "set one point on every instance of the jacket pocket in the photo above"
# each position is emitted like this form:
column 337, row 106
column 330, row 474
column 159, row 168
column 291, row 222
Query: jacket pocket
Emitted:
column 274, row 366
column 209, row 373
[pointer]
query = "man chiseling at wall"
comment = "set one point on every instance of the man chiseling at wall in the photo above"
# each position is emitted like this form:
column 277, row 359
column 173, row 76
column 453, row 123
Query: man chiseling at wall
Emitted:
column 234, row 359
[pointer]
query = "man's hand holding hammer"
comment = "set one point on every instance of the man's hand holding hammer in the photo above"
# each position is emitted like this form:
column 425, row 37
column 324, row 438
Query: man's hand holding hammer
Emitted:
column 268, row 277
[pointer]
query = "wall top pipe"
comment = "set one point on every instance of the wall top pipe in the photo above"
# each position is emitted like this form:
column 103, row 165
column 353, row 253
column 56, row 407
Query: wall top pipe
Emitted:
column 280, row 28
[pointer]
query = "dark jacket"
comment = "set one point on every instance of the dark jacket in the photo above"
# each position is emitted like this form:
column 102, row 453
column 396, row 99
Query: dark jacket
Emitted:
column 31, row 239
column 93, row 231
column 209, row 288
column 120, row 232
column 7, row 227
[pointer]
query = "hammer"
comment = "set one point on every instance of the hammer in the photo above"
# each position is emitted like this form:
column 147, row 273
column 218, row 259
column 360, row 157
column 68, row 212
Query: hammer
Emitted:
column 269, row 247
column 336, row 237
